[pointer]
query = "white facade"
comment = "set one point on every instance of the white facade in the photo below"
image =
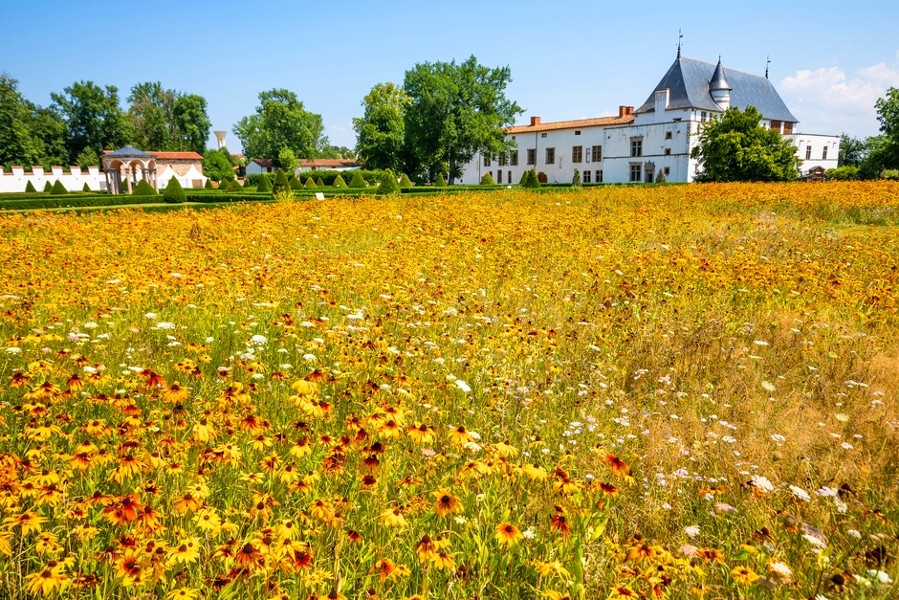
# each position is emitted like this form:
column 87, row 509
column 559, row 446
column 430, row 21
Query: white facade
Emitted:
column 16, row 180
column 636, row 146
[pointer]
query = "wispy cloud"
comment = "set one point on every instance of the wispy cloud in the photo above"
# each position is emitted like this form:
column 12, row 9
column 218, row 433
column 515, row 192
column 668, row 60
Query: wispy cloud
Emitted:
column 828, row 100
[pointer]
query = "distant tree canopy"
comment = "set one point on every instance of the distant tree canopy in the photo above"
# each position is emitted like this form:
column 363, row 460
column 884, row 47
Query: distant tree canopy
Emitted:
column 280, row 122
column 29, row 134
column 736, row 147
column 167, row 120
column 93, row 118
column 380, row 132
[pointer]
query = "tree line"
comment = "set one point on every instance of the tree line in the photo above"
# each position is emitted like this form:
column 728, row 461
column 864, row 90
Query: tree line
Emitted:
column 876, row 156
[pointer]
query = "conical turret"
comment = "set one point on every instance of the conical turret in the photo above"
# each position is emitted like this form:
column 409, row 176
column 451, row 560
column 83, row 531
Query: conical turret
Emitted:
column 719, row 88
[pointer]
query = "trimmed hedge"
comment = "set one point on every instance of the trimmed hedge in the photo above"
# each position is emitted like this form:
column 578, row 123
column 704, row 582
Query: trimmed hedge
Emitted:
column 77, row 202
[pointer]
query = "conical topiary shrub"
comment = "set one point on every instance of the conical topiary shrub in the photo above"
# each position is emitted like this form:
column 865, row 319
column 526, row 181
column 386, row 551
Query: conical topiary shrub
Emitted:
column 339, row 182
column 295, row 184
column 86, row 187
column 58, row 188
column 576, row 179
column 208, row 184
column 319, row 182
column 234, row 186
column 405, row 182
column 441, row 181
column 357, row 181
column 143, row 188
column 281, row 183
column 173, row 192
column 487, row 179
column 29, row 188
column 310, row 183
column 48, row 188
column 388, row 183
column 264, row 184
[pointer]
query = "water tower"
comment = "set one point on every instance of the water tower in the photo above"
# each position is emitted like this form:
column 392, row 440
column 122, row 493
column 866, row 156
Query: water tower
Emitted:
column 220, row 136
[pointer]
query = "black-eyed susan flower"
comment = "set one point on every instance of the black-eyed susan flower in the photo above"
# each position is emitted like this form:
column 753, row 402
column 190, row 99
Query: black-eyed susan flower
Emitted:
column 507, row 534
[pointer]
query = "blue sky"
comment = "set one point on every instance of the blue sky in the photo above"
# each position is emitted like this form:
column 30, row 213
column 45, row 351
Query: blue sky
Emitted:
column 568, row 59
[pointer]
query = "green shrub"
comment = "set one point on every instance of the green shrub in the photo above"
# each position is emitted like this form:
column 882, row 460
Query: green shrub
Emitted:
column 143, row 188
column 208, row 184
column 441, row 181
column 529, row 179
column 295, row 184
column 576, row 179
column 339, row 182
column 174, row 193
column 388, row 183
column 488, row 179
column 29, row 188
column 58, row 188
column 234, row 186
column 86, row 188
column 310, row 183
column 281, row 184
column 358, row 181
column 405, row 182
column 319, row 182
column 263, row 184
column 660, row 176
column 48, row 188
column 891, row 174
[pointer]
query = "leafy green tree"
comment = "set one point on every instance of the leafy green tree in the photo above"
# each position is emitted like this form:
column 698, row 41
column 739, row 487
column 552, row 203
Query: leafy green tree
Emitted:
column 58, row 188
column 339, row 182
column 455, row 111
column 173, row 192
column 735, row 147
column 152, row 116
column 488, row 179
column 192, row 122
column 217, row 165
column 358, row 181
column 29, row 188
column 288, row 161
column 280, row 121
column 93, row 117
column 388, row 184
column 29, row 134
column 87, row 158
column 50, row 136
column 888, row 115
column 853, row 151
column 326, row 150
column 381, row 131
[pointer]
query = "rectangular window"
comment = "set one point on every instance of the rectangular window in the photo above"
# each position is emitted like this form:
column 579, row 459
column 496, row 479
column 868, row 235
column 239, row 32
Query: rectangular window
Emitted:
column 636, row 148
column 667, row 171
column 532, row 156
column 775, row 126
column 667, row 151
column 703, row 116
column 636, row 174
column 486, row 160
column 587, row 175
column 550, row 156
column 499, row 176
column 597, row 153
column 513, row 158
column 509, row 176
column 667, row 135
column 502, row 159
column 599, row 176
column 788, row 128
column 824, row 153
column 543, row 135
column 577, row 154
column 589, row 157
column 808, row 152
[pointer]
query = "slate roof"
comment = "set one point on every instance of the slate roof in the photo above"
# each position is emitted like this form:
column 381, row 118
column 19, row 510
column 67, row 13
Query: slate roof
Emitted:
column 688, row 83
column 128, row 152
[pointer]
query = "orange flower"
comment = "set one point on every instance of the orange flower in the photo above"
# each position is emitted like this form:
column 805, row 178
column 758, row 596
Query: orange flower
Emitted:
column 618, row 466
column 507, row 534
column 446, row 503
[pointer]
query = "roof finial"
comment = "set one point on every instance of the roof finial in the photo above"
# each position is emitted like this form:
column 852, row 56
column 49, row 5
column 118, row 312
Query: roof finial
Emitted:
column 767, row 64
column 680, row 37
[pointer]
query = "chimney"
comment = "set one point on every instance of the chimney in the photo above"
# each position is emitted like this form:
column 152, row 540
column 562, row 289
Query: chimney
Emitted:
column 535, row 121
column 661, row 101
column 622, row 110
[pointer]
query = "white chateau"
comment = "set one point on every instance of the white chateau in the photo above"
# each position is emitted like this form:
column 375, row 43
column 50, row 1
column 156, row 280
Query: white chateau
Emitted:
column 636, row 145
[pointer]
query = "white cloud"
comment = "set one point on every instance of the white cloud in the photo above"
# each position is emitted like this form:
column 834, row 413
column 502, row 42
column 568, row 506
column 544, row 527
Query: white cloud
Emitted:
column 827, row 100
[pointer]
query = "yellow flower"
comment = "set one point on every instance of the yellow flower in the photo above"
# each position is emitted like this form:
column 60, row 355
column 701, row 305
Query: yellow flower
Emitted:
column 186, row 551
column 393, row 517
column 744, row 575
column 183, row 594
column 507, row 534
column 29, row 521
column 47, row 582
column 446, row 503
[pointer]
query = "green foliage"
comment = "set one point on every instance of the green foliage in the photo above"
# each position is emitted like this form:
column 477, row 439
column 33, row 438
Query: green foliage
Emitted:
column 87, row 158
column 488, row 179
column 388, row 184
column 310, row 183
column 29, row 134
column 29, row 188
column 405, row 182
column 576, row 179
column 234, row 186
column 173, row 192
column 263, row 184
column 86, row 188
column 295, row 184
column 281, row 183
column 844, row 173
column 736, row 147
column 280, row 121
column 891, row 174
column 93, row 118
column 319, row 182
column 288, row 160
column 208, row 184
column 217, row 165
column 441, row 180
column 358, row 181
column 455, row 110
column 888, row 115
column 58, row 188
column 48, row 188
column 660, row 176
column 853, row 151
column 192, row 123
column 143, row 188
column 530, row 179
column 339, row 182
column 380, row 132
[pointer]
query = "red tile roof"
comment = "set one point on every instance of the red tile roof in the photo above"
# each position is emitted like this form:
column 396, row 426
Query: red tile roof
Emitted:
column 328, row 163
column 176, row 155
column 576, row 124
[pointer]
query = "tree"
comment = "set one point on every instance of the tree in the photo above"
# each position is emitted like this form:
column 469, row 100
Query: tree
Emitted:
column 93, row 117
column 288, row 160
column 217, row 165
column 192, row 122
column 280, row 122
column 853, row 151
column 380, row 132
column 455, row 111
column 87, row 158
column 735, row 147
column 173, row 192
column 888, row 115
column 152, row 116
column 29, row 134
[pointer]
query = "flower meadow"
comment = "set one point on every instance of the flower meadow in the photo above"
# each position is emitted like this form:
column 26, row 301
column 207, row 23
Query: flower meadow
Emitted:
column 617, row 392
